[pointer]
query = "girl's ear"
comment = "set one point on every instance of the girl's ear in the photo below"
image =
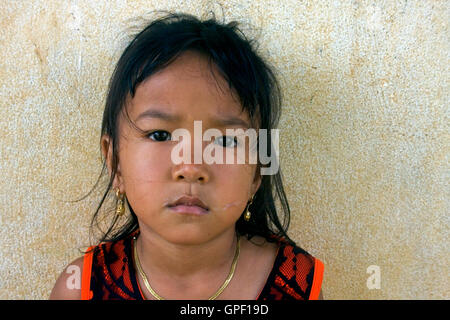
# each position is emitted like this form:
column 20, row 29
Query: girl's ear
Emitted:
column 107, row 149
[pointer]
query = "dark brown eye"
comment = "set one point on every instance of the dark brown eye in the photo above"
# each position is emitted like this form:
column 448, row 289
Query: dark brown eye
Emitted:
column 159, row 135
column 228, row 142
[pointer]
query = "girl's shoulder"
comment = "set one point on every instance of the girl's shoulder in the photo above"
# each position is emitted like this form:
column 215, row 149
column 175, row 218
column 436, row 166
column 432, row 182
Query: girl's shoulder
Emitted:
column 295, row 274
column 68, row 284
column 110, row 271
column 74, row 282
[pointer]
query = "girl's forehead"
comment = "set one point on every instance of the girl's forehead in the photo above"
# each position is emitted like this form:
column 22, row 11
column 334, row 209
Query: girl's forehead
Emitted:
column 190, row 83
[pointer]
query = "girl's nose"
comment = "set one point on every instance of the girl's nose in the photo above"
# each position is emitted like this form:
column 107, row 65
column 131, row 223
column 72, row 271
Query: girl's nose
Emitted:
column 191, row 173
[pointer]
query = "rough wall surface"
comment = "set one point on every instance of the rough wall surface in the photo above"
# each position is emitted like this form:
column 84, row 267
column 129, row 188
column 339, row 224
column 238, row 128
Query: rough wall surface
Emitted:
column 364, row 140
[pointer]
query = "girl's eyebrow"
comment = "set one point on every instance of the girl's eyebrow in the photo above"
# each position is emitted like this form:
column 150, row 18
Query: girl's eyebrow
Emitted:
column 230, row 121
column 152, row 113
column 221, row 122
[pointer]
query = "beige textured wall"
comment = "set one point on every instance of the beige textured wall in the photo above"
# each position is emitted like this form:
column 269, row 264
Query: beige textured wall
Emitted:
column 364, row 139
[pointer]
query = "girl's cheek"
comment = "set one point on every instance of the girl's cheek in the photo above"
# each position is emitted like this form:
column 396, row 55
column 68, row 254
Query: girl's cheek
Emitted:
column 147, row 165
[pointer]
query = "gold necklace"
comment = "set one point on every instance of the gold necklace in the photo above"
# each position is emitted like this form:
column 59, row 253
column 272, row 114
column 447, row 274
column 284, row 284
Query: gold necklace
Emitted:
column 213, row 297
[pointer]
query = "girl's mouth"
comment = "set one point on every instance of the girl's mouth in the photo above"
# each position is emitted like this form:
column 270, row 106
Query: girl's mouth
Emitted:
column 189, row 205
column 187, row 209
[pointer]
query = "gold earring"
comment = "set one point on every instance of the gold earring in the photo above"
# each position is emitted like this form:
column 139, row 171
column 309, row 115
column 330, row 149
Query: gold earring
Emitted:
column 120, row 208
column 248, row 214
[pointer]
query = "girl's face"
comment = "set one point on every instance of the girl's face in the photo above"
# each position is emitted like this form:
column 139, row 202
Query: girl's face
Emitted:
column 171, row 99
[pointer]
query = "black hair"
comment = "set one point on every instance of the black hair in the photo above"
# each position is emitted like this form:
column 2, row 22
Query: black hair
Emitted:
column 254, row 81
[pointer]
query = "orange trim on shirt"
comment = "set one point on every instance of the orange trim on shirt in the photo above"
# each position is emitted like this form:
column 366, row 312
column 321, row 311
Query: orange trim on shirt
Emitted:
column 317, row 279
column 86, row 293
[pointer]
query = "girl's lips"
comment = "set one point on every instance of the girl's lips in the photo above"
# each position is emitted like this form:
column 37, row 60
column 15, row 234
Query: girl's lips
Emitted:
column 185, row 209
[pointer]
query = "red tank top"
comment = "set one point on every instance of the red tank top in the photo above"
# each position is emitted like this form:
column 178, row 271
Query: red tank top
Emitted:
column 109, row 273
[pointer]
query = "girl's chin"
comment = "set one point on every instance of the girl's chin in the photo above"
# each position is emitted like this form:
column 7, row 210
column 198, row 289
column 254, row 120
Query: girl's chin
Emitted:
column 187, row 229
column 187, row 239
column 190, row 235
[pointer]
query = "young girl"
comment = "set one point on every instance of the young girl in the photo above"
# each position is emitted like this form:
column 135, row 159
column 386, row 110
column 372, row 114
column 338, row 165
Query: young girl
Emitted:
column 192, row 230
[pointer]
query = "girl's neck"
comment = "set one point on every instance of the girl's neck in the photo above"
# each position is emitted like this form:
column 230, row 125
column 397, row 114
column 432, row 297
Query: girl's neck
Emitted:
column 163, row 259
